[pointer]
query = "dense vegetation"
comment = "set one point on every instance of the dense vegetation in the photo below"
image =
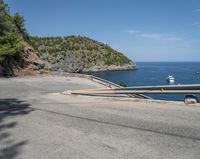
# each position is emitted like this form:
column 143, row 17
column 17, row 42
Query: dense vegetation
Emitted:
column 12, row 33
column 77, row 49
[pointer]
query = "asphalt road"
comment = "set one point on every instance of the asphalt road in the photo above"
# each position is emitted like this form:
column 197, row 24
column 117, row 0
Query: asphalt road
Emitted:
column 36, row 121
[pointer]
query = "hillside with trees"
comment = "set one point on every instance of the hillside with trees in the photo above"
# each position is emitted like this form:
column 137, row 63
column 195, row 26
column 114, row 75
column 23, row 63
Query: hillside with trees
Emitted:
column 76, row 53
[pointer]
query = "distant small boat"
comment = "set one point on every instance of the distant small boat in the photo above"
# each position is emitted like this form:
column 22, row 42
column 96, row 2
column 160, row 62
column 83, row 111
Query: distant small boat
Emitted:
column 170, row 79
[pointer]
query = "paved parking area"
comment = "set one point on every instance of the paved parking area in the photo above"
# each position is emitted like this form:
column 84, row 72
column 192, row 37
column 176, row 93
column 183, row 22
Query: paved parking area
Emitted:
column 36, row 121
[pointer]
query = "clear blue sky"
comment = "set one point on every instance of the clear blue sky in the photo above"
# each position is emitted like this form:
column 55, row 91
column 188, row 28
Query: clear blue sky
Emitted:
column 144, row 30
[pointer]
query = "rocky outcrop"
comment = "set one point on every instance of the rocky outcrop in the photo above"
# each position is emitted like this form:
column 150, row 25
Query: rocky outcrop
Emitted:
column 110, row 68
column 76, row 67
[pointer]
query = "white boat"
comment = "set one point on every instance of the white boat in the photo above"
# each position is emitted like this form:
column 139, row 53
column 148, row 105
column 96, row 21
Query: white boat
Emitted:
column 170, row 79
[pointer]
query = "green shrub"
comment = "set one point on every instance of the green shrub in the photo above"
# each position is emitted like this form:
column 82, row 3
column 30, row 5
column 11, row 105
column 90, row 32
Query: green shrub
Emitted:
column 10, row 45
column 123, row 84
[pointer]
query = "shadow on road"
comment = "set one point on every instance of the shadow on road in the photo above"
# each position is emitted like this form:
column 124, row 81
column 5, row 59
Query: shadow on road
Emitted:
column 9, row 149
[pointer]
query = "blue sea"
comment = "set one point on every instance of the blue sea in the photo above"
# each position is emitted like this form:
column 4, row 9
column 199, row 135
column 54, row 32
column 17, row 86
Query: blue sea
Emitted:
column 155, row 73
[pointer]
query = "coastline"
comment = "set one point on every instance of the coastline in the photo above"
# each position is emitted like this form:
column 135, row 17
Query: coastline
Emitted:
column 30, row 71
column 105, row 68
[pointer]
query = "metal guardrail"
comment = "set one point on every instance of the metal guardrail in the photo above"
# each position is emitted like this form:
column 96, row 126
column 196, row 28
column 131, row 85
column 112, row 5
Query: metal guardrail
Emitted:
column 101, row 81
column 165, row 87
column 175, row 89
column 134, row 91
column 111, row 84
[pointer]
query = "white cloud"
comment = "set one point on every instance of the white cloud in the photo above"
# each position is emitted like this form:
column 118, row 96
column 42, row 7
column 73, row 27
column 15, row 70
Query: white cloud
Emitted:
column 133, row 31
column 151, row 36
column 156, row 36
column 196, row 24
column 196, row 10
column 175, row 38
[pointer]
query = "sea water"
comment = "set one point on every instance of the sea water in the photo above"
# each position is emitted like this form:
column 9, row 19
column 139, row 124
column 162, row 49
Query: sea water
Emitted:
column 155, row 73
